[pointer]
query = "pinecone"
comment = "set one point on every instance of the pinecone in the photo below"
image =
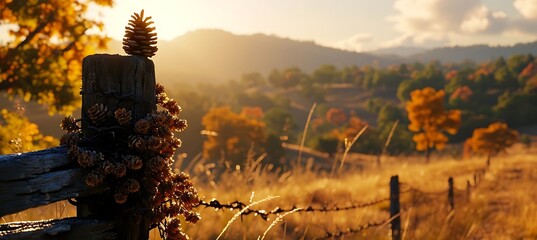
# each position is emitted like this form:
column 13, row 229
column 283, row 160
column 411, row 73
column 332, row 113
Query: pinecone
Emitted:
column 106, row 167
column 69, row 124
column 142, row 126
column 133, row 162
column 120, row 170
column 137, row 143
column 97, row 113
column 123, row 116
column 85, row 159
column 94, row 178
column 139, row 37
column 70, row 139
column 120, row 197
column 132, row 185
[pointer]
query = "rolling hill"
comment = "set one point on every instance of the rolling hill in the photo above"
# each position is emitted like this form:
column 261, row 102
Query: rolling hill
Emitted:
column 210, row 55
column 476, row 53
column 216, row 56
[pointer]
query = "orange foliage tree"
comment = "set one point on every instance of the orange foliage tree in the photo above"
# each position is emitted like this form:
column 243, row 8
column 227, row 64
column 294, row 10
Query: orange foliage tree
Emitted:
column 231, row 135
column 430, row 120
column 336, row 116
column 41, row 59
column 491, row 140
column 252, row 112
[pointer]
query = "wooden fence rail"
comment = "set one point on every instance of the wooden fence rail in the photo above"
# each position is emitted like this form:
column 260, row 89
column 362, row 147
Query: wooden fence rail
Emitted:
column 38, row 178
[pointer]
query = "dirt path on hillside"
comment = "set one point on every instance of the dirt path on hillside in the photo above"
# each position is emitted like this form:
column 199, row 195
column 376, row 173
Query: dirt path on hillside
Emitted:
column 508, row 202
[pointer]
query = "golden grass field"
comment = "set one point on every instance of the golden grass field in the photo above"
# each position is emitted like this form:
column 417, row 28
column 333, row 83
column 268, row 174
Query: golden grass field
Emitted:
column 502, row 206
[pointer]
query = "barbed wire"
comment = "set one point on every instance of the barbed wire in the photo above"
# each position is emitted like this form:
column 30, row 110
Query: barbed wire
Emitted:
column 237, row 205
column 348, row 231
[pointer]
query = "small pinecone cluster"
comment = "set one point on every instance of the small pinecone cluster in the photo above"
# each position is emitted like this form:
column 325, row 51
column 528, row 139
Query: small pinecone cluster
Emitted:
column 143, row 165
column 173, row 194
column 139, row 38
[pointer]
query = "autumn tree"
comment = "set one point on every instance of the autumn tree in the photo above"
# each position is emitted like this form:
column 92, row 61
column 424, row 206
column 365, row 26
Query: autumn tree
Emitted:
column 41, row 59
column 492, row 140
column 18, row 134
column 252, row 112
column 280, row 122
column 231, row 135
column 336, row 116
column 430, row 120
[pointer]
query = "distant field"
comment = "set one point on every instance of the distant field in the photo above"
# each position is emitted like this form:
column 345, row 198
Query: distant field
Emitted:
column 500, row 207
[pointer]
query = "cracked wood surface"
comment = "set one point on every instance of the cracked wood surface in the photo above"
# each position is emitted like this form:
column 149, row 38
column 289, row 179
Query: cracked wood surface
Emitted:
column 38, row 178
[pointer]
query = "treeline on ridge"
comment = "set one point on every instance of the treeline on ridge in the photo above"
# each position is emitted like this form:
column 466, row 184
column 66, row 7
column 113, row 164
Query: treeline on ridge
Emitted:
column 274, row 107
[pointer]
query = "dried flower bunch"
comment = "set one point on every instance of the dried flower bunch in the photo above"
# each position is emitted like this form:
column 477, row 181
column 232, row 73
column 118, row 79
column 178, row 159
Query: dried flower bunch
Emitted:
column 140, row 39
column 140, row 168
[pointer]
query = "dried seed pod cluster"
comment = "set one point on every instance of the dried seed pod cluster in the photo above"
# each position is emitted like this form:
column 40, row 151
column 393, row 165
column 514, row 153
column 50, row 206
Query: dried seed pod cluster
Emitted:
column 139, row 37
column 138, row 169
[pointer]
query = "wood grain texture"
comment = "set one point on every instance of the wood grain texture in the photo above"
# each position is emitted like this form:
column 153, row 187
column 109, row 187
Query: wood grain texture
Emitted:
column 27, row 165
column 118, row 82
column 38, row 178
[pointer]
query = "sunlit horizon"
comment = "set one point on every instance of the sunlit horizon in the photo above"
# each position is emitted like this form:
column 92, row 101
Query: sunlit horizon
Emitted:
column 349, row 25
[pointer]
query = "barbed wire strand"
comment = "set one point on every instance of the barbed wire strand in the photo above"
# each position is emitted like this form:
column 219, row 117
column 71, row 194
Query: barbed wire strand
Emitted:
column 238, row 205
column 348, row 231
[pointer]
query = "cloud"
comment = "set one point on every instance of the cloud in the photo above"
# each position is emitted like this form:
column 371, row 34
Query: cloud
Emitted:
column 422, row 41
column 355, row 43
column 482, row 20
column 432, row 22
column 528, row 8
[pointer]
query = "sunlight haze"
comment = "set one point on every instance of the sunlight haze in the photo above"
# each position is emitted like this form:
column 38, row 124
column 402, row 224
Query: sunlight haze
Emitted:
column 346, row 24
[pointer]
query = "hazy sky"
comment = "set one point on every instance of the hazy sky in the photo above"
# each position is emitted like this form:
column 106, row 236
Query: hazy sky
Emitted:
column 350, row 24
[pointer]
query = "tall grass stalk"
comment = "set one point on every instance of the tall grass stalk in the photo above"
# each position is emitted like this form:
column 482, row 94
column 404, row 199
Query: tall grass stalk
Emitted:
column 304, row 133
column 388, row 140
column 407, row 222
column 277, row 220
column 237, row 215
column 470, row 231
column 348, row 148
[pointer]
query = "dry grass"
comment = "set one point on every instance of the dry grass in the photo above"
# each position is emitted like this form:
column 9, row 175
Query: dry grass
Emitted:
column 502, row 200
column 502, row 206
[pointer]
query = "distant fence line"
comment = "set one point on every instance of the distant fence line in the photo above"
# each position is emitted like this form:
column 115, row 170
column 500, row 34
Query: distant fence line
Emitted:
column 394, row 199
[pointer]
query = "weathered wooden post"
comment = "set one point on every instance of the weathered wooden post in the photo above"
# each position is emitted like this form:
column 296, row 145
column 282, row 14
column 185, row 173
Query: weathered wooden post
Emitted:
column 451, row 194
column 116, row 82
column 395, row 208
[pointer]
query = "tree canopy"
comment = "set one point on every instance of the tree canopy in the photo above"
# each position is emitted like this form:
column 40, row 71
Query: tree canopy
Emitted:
column 492, row 140
column 429, row 119
column 42, row 58
column 232, row 134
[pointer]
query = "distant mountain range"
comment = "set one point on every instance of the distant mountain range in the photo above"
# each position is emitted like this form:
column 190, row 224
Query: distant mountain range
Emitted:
column 477, row 53
column 217, row 55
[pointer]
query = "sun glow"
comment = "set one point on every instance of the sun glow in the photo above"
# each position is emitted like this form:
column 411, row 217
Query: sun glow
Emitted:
column 169, row 17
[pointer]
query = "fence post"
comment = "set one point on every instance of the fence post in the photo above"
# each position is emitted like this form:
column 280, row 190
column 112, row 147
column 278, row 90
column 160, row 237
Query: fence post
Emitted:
column 451, row 194
column 117, row 82
column 395, row 208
